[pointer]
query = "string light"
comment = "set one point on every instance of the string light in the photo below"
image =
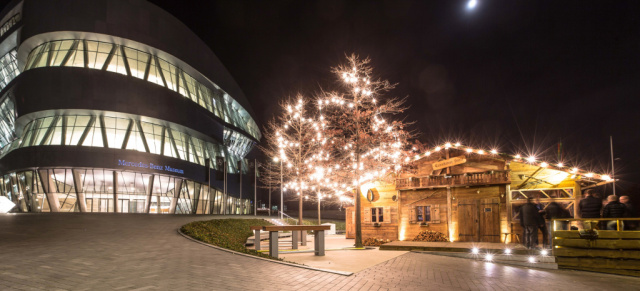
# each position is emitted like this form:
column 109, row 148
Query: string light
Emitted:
column 530, row 159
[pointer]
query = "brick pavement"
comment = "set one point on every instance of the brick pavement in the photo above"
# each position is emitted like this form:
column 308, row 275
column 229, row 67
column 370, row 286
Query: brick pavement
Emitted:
column 144, row 252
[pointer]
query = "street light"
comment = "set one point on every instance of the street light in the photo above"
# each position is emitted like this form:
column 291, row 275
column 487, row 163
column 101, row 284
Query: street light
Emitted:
column 276, row 159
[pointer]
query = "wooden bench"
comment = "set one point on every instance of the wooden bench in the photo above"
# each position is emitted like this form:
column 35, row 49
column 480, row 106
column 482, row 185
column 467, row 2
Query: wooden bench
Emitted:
column 273, row 230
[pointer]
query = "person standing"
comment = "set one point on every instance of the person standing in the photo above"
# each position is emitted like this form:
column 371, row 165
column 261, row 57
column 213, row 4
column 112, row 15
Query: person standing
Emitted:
column 530, row 220
column 614, row 209
column 631, row 212
column 555, row 211
column 590, row 206
column 542, row 226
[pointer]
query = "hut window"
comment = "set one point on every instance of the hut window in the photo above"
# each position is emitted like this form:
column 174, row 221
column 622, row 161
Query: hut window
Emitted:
column 423, row 213
column 377, row 214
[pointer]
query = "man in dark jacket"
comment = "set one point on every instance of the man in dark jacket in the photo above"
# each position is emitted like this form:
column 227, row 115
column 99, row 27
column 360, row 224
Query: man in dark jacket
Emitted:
column 530, row 219
column 631, row 212
column 590, row 206
column 614, row 209
column 555, row 211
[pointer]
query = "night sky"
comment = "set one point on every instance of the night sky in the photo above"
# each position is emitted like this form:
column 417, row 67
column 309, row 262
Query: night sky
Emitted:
column 520, row 76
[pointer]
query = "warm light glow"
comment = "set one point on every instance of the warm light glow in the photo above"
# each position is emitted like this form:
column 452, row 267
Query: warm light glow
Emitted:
column 494, row 151
column 475, row 251
column 531, row 260
column 481, row 152
column 606, row 177
column 544, row 252
column 507, row 251
column 589, row 175
column 560, row 165
column 531, row 159
column 488, row 257
column 544, row 165
column 469, row 150
column 518, row 157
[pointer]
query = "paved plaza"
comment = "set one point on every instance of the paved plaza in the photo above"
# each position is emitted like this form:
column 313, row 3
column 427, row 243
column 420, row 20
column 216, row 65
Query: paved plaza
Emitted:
column 145, row 252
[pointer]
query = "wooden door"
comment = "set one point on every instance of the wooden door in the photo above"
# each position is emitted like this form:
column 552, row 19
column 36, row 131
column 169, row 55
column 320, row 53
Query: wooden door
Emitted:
column 467, row 220
column 489, row 220
column 479, row 220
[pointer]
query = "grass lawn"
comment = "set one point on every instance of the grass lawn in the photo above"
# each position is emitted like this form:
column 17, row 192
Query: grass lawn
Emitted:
column 227, row 233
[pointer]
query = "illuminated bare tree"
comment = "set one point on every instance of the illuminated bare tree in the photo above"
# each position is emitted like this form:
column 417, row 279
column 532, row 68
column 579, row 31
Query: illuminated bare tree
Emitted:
column 293, row 141
column 367, row 144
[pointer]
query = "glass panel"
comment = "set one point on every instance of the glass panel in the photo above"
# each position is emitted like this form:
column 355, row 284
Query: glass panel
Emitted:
column 135, row 139
column 8, row 68
column 97, row 53
column 169, row 72
column 76, row 59
column 155, row 74
column 153, row 134
column 137, row 62
column 94, row 135
column 117, row 62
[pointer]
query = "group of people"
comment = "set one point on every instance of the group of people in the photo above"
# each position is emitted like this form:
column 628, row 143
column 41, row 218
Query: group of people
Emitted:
column 534, row 216
column 591, row 206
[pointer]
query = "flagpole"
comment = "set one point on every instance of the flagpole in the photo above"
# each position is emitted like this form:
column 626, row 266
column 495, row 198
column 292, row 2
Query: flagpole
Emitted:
column 613, row 170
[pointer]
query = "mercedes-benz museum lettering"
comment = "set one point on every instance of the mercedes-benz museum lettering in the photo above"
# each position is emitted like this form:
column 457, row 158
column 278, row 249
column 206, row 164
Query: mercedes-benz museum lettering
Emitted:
column 116, row 106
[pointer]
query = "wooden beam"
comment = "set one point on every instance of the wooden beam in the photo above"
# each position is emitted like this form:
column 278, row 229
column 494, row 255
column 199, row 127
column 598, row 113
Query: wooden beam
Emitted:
column 528, row 178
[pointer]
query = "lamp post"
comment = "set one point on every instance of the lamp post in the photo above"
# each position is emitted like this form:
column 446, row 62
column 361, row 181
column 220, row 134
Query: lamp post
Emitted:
column 276, row 159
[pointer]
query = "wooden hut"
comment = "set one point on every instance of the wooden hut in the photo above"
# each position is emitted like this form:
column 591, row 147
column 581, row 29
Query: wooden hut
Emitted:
column 469, row 195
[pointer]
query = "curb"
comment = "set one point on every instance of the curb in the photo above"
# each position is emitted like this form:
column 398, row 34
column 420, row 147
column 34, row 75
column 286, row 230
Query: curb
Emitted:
column 265, row 259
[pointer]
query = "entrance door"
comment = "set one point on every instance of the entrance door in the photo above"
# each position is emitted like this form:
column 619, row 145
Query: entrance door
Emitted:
column 479, row 220
column 489, row 214
column 467, row 220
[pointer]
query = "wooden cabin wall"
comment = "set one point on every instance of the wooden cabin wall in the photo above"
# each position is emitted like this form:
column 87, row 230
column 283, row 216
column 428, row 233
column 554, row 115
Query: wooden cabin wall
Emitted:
column 383, row 198
column 409, row 228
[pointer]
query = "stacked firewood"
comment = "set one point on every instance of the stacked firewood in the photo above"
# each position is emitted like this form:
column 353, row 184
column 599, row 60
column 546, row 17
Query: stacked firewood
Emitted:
column 431, row 236
column 374, row 242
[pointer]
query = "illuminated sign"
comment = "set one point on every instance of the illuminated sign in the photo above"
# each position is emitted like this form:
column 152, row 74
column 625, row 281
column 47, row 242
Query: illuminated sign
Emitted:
column 149, row 166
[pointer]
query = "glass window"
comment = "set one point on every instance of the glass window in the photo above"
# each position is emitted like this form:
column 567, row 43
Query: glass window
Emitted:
column 153, row 134
column 97, row 53
column 135, row 141
column 117, row 62
column 137, row 61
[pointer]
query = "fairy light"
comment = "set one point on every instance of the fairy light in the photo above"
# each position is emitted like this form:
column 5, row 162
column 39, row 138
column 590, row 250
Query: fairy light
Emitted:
column 530, row 159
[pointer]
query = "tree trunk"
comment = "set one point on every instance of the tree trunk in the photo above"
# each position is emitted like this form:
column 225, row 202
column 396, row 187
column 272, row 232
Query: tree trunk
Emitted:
column 319, row 221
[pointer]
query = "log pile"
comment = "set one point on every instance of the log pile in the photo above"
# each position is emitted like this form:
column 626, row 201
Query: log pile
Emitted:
column 431, row 236
column 374, row 242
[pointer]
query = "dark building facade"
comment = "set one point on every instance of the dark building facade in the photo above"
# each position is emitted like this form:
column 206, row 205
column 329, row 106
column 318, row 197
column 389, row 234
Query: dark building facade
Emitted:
column 116, row 106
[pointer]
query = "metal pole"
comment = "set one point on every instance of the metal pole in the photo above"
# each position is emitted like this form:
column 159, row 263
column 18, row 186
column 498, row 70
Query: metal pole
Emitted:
column 255, row 187
column 281, row 192
column 613, row 170
column 270, row 181
column 240, row 173
column 224, row 196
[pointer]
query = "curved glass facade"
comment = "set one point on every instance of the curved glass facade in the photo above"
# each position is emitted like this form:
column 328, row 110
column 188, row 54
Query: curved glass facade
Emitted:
column 8, row 68
column 105, row 190
column 9, row 24
column 138, row 64
column 7, row 122
column 126, row 134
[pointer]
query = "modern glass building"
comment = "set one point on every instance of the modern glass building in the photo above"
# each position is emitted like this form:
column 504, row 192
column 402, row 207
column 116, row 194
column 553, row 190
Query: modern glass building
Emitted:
column 116, row 106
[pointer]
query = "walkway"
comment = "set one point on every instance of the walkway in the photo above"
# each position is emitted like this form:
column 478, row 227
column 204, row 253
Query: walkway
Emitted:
column 144, row 252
